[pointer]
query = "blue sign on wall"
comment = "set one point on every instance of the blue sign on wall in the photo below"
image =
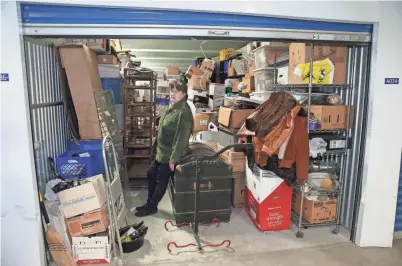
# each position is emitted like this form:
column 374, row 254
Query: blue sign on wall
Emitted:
column 4, row 77
column 391, row 81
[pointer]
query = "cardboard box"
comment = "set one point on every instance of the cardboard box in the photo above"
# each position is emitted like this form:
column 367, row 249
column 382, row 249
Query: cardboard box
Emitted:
column 215, row 102
column 107, row 59
column 93, row 44
column 235, row 87
column 299, row 53
column 91, row 250
column 89, row 223
column 249, row 82
column 201, row 121
column 84, row 198
column 251, row 68
column 172, row 71
column 197, row 83
column 330, row 116
column 207, row 67
column 235, row 159
column 238, row 190
column 315, row 211
column 231, row 70
column 215, row 89
column 233, row 119
column 58, row 221
column 81, row 66
column 192, row 70
column 268, row 202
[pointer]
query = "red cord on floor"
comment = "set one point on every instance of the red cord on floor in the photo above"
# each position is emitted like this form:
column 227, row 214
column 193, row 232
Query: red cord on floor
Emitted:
column 228, row 243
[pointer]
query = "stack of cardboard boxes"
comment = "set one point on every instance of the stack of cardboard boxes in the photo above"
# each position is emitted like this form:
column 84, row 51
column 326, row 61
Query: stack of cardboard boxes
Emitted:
column 80, row 213
column 237, row 160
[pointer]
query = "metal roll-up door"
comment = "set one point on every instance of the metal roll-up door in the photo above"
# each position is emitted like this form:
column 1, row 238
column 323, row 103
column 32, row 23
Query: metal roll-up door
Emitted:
column 79, row 20
column 398, row 214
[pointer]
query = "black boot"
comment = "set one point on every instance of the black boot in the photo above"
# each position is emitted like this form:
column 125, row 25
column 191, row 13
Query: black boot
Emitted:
column 146, row 210
column 139, row 208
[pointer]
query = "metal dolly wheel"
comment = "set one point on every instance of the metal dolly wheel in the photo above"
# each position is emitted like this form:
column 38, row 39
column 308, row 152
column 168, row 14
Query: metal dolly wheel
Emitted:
column 195, row 224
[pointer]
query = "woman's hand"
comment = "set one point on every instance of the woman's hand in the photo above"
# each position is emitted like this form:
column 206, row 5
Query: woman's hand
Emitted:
column 171, row 165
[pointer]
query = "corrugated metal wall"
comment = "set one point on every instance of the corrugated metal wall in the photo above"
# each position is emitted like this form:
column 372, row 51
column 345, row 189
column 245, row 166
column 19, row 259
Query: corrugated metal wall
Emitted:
column 49, row 124
column 358, row 79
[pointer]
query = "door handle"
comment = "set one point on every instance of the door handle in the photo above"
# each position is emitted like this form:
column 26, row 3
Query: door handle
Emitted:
column 219, row 32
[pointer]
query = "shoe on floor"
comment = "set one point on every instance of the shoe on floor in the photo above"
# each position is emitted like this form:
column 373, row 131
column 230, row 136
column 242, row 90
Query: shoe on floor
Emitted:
column 145, row 212
column 140, row 208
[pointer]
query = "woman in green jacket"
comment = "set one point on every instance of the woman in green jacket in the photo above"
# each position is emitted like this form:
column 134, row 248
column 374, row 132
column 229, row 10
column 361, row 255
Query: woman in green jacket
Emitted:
column 172, row 141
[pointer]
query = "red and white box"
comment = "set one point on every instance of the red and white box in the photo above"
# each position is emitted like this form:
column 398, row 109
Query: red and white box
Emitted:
column 91, row 250
column 268, row 201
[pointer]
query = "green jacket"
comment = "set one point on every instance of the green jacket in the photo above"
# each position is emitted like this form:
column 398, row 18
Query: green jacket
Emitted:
column 174, row 131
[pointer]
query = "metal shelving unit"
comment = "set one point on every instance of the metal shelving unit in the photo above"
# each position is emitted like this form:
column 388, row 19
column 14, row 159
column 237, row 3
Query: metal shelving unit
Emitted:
column 339, row 155
column 139, row 120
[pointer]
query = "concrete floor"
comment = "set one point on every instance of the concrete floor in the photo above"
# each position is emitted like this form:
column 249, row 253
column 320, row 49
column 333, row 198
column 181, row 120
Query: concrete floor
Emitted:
column 249, row 246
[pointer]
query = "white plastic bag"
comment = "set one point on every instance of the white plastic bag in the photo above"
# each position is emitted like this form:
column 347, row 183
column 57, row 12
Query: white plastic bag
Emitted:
column 49, row 194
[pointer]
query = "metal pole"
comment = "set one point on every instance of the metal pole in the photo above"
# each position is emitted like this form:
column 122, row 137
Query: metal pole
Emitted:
column 197, row 198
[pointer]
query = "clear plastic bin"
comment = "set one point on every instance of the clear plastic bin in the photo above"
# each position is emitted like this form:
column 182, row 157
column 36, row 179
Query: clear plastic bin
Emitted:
column 264, row 78
column 262, row 57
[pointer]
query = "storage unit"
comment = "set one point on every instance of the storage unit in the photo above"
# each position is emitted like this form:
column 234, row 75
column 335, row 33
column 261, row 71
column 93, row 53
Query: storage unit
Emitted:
column 233, row 114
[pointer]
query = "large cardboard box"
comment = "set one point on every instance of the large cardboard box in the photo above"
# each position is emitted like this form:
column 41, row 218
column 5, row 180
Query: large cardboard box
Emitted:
column 207, row 67
column 236, row 159
column 268, row 202
column 238, row 190
column 233, row 119
column 248, row 81
column 89, row 223
column 107, row 59
column 81, row 66
column 201, row 121
column 192, row 70
column 197, row 82
column 172, row 71
column 251, row 68
column 91, row 250
column 299, row 53
column 315, row 211
column 84, row 198
column 330, row 116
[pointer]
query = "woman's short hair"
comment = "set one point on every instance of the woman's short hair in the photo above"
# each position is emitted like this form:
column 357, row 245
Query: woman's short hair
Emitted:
column 178, row 85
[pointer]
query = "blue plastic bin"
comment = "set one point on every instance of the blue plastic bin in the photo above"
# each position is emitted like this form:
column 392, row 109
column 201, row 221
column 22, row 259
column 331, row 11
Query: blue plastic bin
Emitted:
column 114, row 85
column 89, row 145
column 69, row 165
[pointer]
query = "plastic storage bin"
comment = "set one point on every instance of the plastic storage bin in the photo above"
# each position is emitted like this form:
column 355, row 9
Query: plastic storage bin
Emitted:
column 114, row 85
column 70, row 165
column 264, row 78
column 262, row 57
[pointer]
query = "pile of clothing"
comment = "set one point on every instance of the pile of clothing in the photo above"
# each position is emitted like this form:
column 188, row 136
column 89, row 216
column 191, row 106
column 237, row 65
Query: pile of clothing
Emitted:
column 278, row 131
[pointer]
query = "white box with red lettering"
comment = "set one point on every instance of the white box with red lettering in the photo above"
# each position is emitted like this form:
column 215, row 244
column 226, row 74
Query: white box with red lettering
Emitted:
column 91, row 250
column 268, row 201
